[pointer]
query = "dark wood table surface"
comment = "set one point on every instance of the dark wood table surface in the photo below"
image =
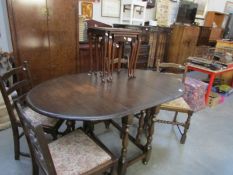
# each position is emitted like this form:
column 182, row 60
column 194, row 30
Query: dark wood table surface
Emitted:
column 87, row 98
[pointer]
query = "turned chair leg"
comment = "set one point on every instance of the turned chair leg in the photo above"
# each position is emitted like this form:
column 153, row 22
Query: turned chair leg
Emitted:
column 16, row 138
column 175, row 117
column 186, row 127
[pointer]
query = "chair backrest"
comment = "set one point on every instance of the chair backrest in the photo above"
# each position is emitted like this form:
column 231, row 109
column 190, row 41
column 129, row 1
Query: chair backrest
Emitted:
column 16, row 89
column 176, row 68
column 36, row 140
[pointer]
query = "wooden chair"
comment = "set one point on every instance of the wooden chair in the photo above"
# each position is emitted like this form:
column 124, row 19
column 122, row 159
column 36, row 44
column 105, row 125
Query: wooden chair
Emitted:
column 179, row 105
column 22, row 83
column 74, row 153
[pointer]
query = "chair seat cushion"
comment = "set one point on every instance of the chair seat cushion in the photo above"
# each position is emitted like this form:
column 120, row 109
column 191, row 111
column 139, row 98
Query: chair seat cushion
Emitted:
column 179, row 103
column 76, row 154
column 34, row 116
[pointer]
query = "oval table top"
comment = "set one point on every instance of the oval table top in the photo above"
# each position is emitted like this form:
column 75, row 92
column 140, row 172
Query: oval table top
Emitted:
column 84, row 97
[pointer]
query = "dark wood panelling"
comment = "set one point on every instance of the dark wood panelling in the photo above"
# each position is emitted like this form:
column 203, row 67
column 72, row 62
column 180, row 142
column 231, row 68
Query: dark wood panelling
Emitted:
column 45, row 33
column 183, row 42
column 31, row 38
column 62, row 36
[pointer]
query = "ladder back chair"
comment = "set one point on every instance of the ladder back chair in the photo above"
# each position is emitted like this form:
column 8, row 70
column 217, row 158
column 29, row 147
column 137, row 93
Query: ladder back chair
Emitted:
column 179, row 105
column 10, row 91
column 75, row 153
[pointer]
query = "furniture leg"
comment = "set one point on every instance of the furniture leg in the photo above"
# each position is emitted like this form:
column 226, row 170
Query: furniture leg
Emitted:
column 140, row 128
column 212, row 77
column 146, row 119
column 110, row 45
column 107, row 124
column 138, row 44
column 122, row 164
column 120, row 56
column 112, row 58
column 131, row 59
column 70, row 126
column 186, row 127
column 90, row 37
column 97, row 54
column 148, row 147
column 16, row 137
column 104, row 55
column 175, row 117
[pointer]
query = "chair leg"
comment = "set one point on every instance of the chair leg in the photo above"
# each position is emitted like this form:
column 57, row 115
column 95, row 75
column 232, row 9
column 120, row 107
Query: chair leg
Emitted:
column 175, row 117
column 54, row 135
column 35, row 168
column 113, row 170
column 186, row 127
column 107, row 124
column 16, row 138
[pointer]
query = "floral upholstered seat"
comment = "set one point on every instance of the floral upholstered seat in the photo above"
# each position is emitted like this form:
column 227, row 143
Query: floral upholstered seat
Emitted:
column 179, row 103
column 76, row 154
column 46, row 121
column 34, row 116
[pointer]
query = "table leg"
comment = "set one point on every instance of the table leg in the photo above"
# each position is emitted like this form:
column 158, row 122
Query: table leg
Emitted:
column 110, row 44
column 212, row 77
column 70, row 126
column 104, row 56
column 90, row 38
column 122, row 165
column 140, row 128
column 88, row 127
column 151, row 120
column 138, row 44
column 120, row 56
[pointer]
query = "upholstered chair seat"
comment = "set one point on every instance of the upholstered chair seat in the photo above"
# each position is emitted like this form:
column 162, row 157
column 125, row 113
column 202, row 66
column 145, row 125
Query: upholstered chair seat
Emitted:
column 76, row 154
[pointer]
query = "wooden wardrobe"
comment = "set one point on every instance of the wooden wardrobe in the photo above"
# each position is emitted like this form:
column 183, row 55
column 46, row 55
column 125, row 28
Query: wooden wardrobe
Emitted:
column 45, row 33
column 182, row 43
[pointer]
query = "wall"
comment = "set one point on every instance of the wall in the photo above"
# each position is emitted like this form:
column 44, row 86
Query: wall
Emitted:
column 217, row 5
column 5, row 39
column 150, row 14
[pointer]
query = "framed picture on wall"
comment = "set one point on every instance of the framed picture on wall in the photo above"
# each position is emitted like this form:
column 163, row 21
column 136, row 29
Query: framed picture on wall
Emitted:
column 228, row 7
column 111, row 8
column 87, row 9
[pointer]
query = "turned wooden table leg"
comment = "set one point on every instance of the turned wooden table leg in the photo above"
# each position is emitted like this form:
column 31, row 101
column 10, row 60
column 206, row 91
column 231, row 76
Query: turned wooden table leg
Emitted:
column 140, row 128
column 70, row 126
column 110, row 46
column 148, row 147
column 122, row 164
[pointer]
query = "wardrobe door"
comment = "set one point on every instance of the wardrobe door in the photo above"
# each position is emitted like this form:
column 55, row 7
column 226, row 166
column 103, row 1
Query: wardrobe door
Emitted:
column 28, row 21
column 188, row 43
column 62, row 27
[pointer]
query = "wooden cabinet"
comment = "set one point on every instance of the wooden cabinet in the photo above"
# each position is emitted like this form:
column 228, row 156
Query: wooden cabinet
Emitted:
column 45, row 33
column 213, row 18
column 182, row 43
column 216, row 34
column 204, row 36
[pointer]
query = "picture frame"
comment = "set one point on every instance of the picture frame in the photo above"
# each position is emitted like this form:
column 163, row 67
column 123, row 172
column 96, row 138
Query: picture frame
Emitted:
column 87, row 9
column 228, row 7
column 114, row 5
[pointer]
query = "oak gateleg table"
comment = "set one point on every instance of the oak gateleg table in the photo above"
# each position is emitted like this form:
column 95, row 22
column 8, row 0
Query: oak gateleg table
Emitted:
column 83, row 97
